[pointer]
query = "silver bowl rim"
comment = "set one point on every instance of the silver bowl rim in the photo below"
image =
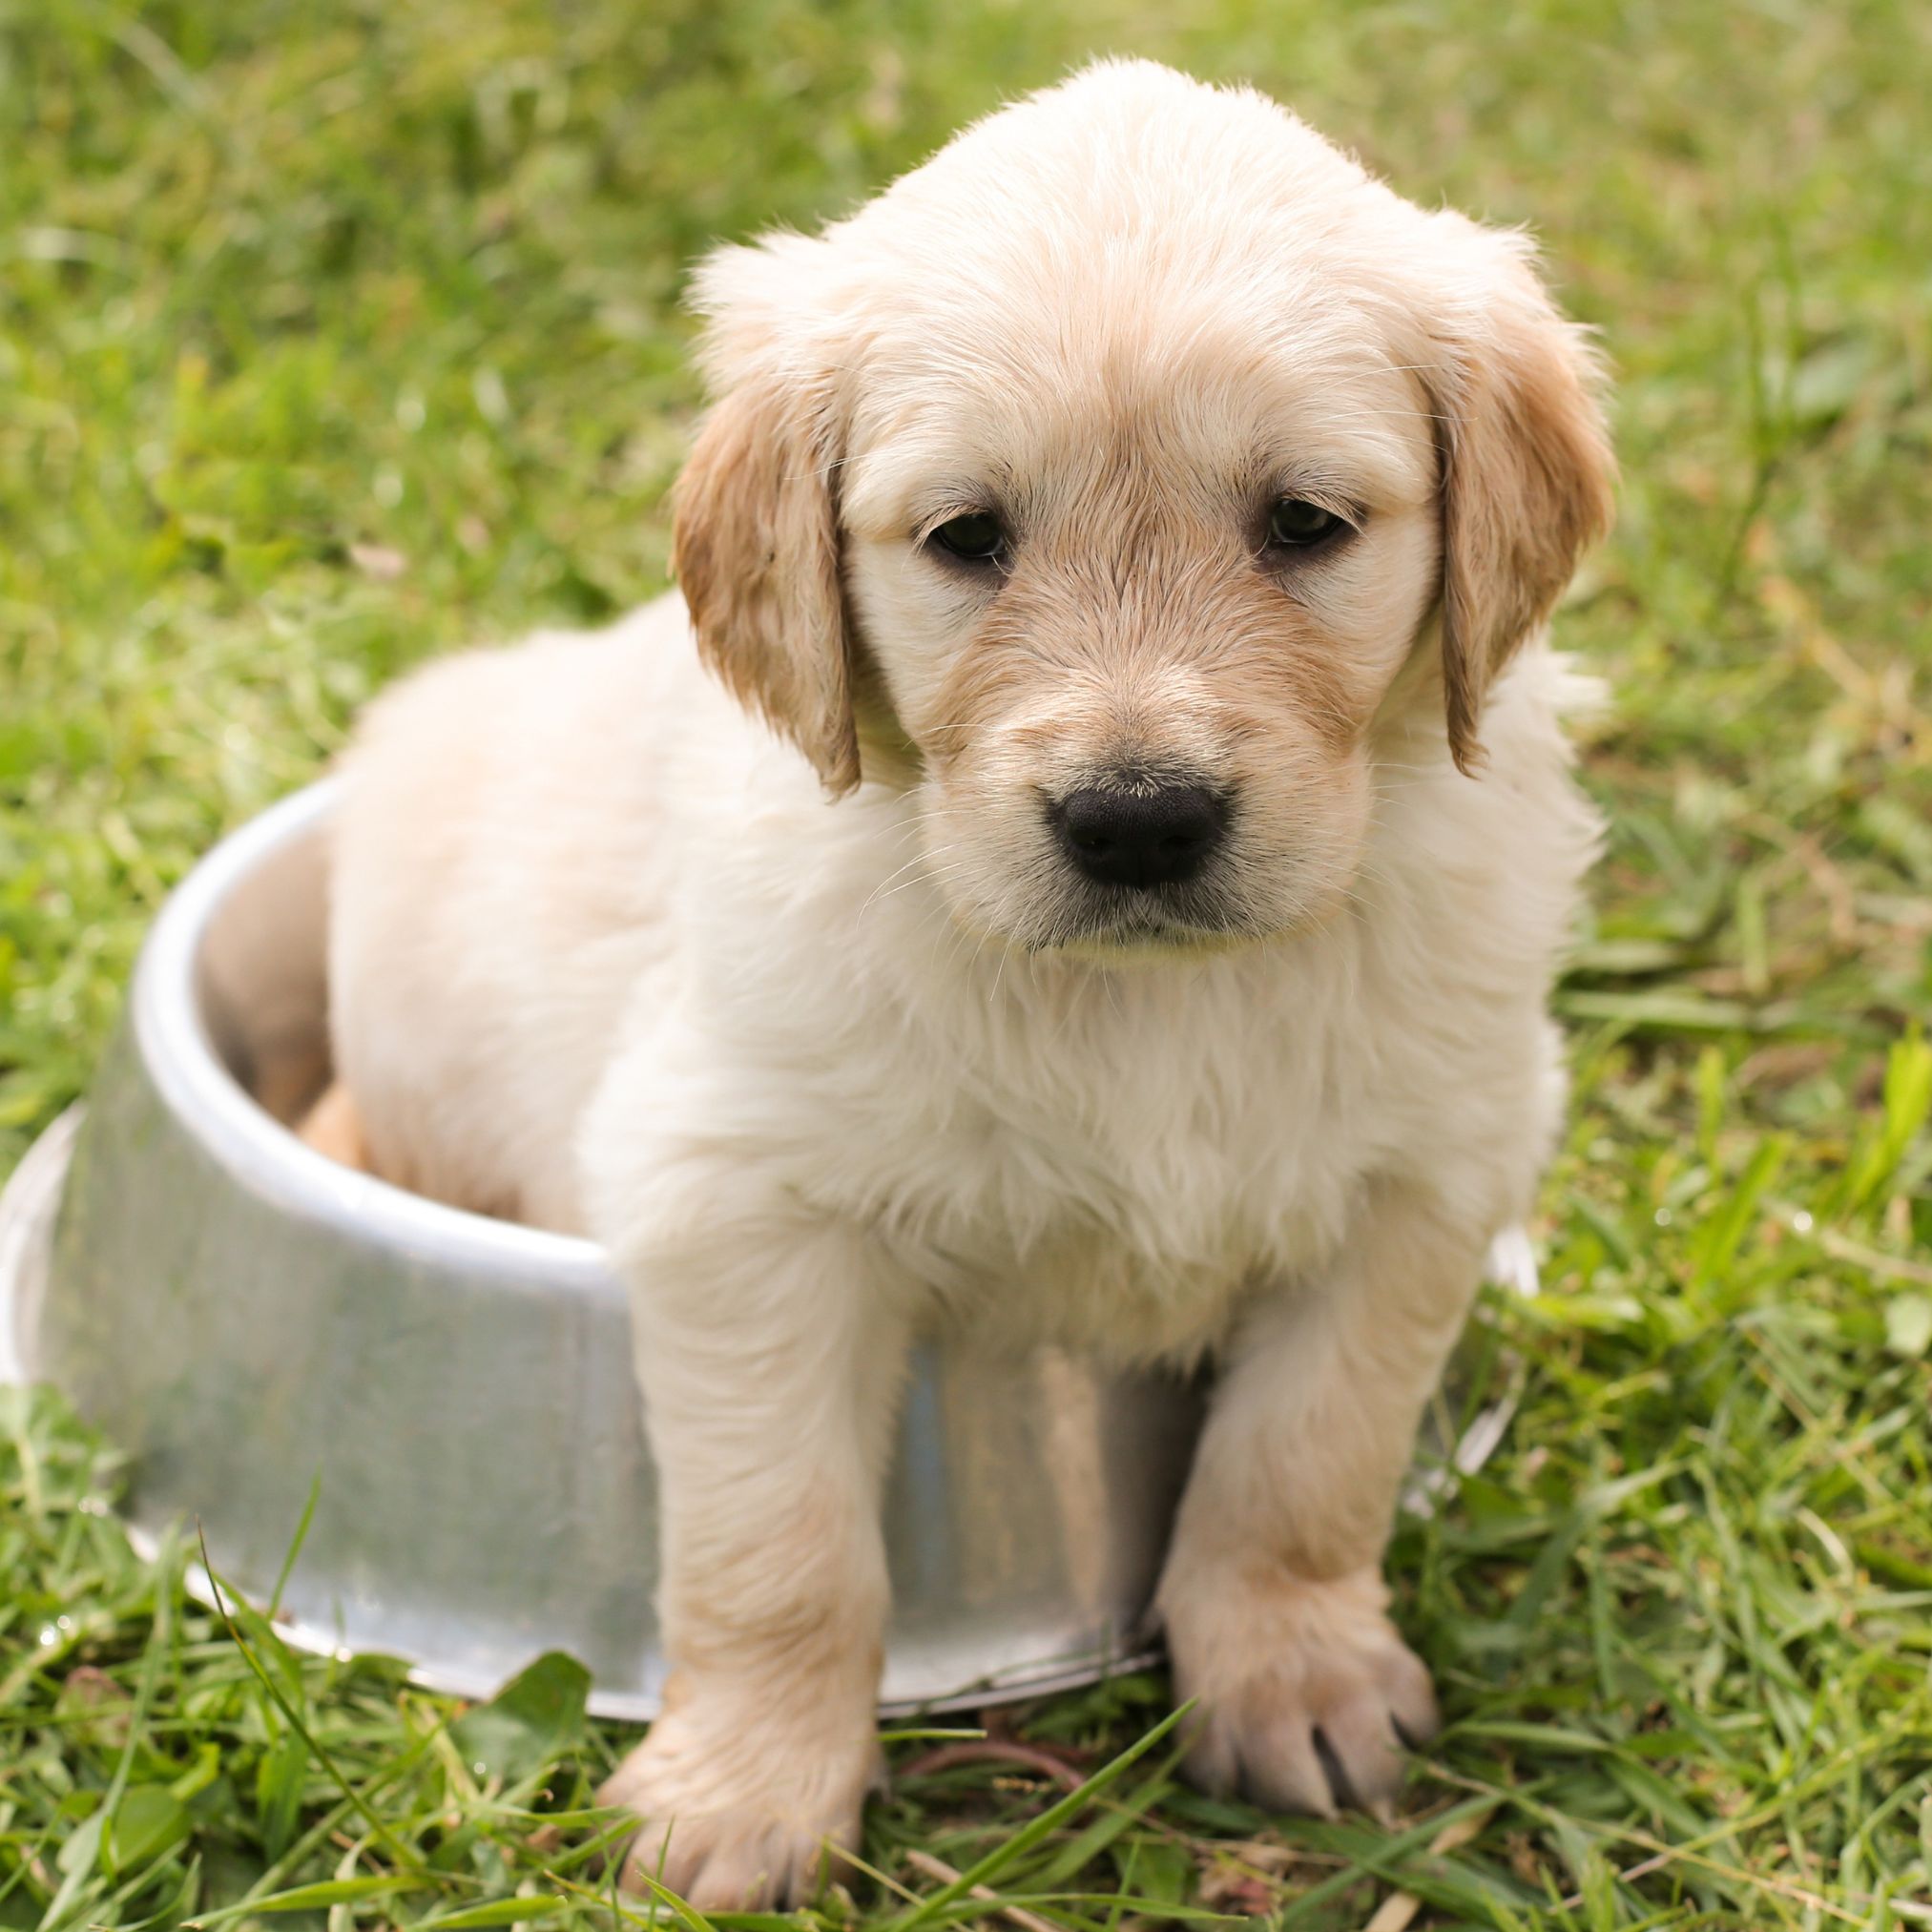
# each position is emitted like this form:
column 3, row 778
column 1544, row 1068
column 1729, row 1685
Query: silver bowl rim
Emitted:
column 261, row 1154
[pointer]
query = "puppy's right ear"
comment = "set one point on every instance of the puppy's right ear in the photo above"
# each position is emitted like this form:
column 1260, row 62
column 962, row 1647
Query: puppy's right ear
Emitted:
column 754, row 542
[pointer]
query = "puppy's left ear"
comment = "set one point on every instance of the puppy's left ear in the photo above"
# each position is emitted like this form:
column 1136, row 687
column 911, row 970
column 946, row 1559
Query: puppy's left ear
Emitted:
column 1527, row 475
column 755, row 542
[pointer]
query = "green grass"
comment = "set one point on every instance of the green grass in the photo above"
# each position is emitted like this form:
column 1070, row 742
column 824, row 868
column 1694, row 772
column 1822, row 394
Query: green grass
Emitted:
column 334, row 333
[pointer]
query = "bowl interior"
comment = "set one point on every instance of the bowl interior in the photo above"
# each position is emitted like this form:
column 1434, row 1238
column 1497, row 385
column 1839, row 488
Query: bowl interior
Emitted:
column 261, row 977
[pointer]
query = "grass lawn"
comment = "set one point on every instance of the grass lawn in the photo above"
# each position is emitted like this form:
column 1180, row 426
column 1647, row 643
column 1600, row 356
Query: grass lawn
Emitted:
column 334, row 333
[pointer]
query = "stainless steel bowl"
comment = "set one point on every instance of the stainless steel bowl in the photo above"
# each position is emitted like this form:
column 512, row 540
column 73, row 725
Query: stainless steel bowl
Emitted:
column 246, row 1318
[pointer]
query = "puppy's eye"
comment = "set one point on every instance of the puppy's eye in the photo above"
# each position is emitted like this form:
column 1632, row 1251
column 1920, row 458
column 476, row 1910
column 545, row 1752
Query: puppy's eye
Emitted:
column 1296, row 525
column 978, row 538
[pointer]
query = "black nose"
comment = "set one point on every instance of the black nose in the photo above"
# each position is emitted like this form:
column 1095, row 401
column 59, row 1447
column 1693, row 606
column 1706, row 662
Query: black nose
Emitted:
column 1142, row 836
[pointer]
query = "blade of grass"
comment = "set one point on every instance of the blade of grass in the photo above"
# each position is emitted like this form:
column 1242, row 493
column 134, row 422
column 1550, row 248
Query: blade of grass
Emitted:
column 1038, row 1828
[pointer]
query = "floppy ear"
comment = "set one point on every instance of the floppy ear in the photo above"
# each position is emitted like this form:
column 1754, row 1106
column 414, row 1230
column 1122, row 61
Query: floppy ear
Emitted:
column 1526, row 481
column 756, row 544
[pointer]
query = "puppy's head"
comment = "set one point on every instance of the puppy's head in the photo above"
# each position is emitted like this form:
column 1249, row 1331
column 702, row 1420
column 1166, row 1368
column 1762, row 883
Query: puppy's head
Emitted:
column 1122, row 479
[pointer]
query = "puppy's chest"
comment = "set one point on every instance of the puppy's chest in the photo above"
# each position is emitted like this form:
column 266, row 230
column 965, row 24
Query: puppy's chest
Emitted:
column 1126, row 1198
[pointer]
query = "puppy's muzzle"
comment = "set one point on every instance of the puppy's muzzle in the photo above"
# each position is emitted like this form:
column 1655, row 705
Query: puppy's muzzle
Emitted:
column 1140, row 835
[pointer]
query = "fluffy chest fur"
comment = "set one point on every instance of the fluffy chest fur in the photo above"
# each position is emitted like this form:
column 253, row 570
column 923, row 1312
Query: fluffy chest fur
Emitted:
column 1116, row 1156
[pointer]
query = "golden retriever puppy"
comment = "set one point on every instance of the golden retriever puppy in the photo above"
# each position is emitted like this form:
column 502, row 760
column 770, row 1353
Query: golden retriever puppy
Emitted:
column 1108, row 883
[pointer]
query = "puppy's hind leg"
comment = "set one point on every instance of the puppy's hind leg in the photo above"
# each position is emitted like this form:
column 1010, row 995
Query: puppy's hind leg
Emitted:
column 334, row 1129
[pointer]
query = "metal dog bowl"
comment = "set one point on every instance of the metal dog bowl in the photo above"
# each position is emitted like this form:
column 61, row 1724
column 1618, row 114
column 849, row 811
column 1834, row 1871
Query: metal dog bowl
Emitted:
column 247, row 1319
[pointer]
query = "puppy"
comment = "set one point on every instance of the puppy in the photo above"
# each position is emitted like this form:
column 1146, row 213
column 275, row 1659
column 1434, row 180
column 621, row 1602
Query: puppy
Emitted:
column 1108, row 883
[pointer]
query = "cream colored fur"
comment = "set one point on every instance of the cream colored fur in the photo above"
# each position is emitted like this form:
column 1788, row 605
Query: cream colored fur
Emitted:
column 827, row 1046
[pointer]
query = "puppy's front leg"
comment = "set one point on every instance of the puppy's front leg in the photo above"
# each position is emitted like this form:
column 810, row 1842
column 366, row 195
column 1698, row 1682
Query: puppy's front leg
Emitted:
column 770, row 1349
column 1272, row 1595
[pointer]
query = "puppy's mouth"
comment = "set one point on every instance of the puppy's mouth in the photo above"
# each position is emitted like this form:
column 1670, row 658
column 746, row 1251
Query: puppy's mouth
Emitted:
column 1154, row 945
column 1114, row 924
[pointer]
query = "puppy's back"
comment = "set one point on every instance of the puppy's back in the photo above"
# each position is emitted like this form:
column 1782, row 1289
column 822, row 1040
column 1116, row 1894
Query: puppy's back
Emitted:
column 497, row 877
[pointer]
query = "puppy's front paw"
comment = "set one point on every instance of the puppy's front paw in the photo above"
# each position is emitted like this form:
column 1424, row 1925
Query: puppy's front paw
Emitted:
column 738, row 1815
column 1307, row 1696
